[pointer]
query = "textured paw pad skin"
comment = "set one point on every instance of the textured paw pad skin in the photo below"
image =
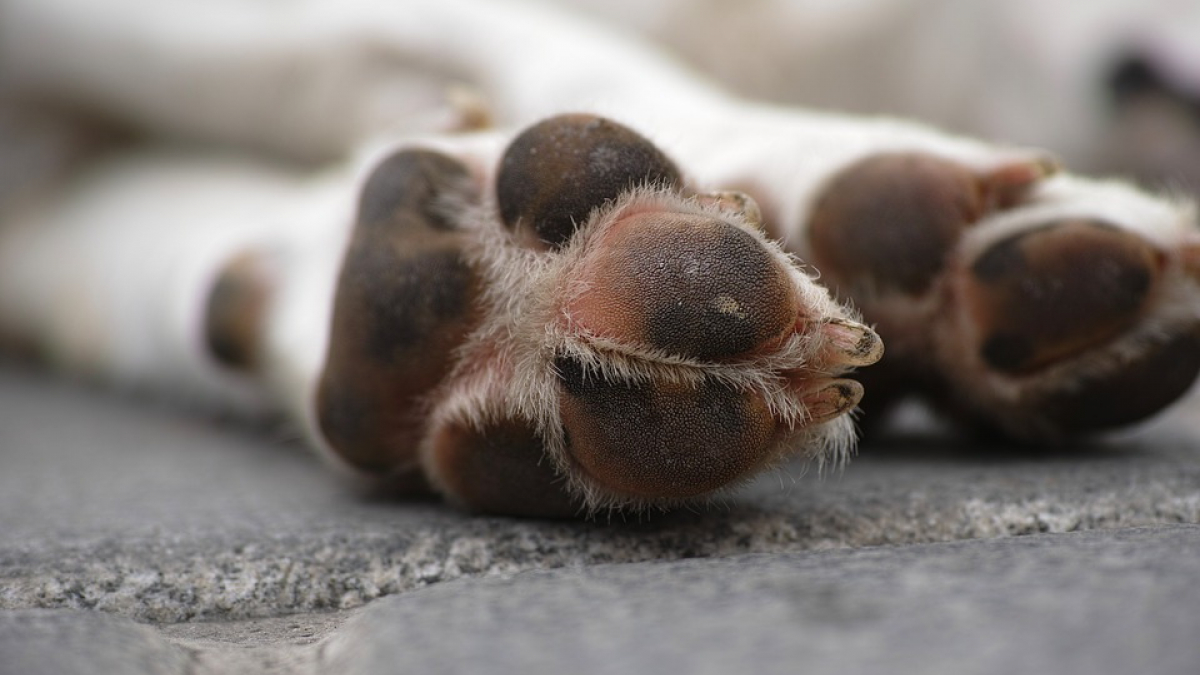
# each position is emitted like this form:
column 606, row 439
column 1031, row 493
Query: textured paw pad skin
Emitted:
column 1063, row 291
column 1053, row 292
column 660, row 440
column 405, row 300
column 501, row 468
column 689, row 285
column 556, row 172
column 886, row 223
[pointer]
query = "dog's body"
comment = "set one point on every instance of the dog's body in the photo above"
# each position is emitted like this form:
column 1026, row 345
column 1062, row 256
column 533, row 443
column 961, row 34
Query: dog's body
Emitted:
column 251, row 283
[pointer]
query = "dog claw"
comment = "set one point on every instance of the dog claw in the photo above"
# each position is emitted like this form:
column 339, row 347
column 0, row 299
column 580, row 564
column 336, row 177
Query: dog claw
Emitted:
column 852, row 343
column 738, row 204
column 833, row 399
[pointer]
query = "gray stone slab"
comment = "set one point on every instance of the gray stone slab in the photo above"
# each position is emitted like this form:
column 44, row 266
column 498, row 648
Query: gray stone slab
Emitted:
column 49, row 642
column 112, row 504
column 1088, row 603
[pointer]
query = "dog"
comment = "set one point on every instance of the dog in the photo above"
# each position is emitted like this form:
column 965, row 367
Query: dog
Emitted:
column 559, row 273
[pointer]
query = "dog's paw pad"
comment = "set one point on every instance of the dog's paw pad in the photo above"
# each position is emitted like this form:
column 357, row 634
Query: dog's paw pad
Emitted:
column 1050, row 293
column 690, row 285
column 886, row 224
column 661, row 440
column 405, row 299
column 500, row 468
column 1089, row 326
column 555, row 173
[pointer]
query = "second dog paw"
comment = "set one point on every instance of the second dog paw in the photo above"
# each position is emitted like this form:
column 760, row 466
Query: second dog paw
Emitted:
column 1040, row 304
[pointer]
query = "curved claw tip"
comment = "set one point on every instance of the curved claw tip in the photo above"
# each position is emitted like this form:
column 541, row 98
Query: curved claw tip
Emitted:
column 832, row 399
column 852, row 343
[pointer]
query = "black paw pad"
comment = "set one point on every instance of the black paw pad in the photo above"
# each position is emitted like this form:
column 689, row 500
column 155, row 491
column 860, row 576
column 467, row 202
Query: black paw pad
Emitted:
column 1051, row 293
column 690, row 285
column 405, row 300
column 557, row 171
column 660, row 440
column 500, row 469
column 888, row 222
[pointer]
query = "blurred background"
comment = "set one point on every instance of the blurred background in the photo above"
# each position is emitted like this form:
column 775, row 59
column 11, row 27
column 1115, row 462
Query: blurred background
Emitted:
column 1111, row 86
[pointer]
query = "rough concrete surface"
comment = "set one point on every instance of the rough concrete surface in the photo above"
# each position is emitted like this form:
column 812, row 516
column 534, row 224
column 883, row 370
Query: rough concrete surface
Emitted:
column 245, row 554
column 1094, row 602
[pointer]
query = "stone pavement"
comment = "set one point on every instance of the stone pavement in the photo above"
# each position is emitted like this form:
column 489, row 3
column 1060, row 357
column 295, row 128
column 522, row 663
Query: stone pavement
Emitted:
column 135, row 538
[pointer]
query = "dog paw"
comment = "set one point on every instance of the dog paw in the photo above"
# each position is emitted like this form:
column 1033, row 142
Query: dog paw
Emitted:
column 576, row 329
column 1042, row 305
